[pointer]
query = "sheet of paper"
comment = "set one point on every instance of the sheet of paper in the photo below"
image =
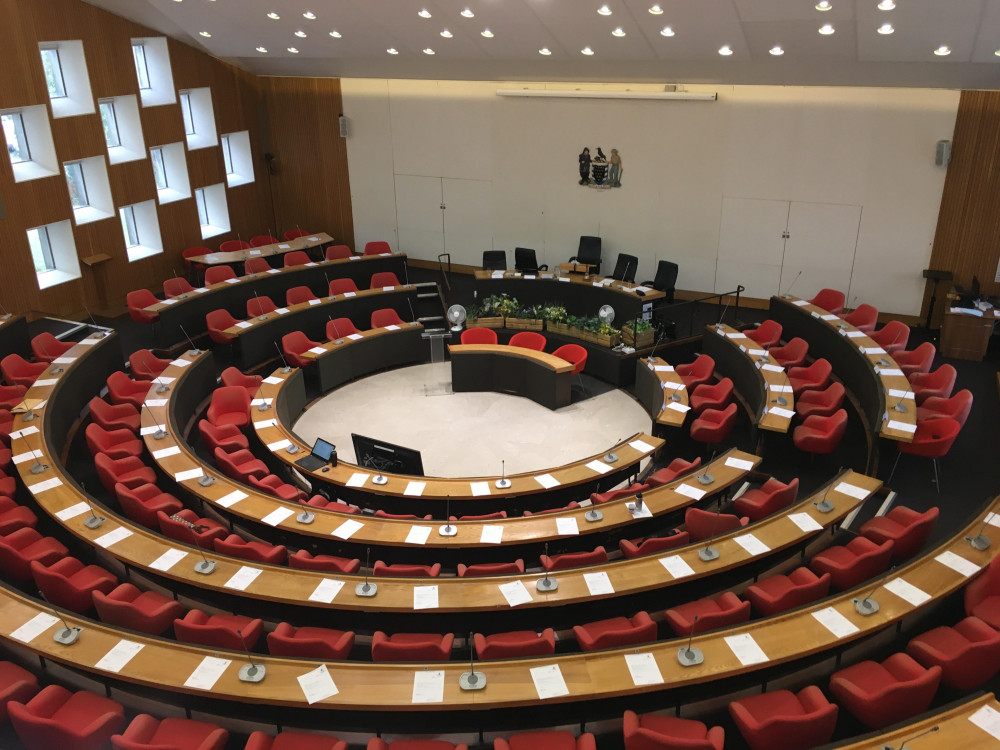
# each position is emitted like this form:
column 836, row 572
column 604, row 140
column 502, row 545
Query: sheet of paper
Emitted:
column 907, row 592
column 676, row 566
column 745, row 649
column 663, row 368
column 778, row 388
column 415, row 489
column 120, row 655
column 20, row 458
column 599, row 466
column 897, row 393
column 271, row 380
column 901, row 426
column 992, row 519
column 425, row 597
column 233, row 281
column 515, row 593
column 858, row 493
column 48, row 484
column 779, row 412
column 152, row 428
column 873, row 350
column 228, row 501
column 242, row 578
column 326, row 591
column 317, row 349
column 281, row 310
column 317, row 685
column 63, row 360
column 113, row 537
column 491, row 534
column 566, row 526
column 350, row 294
column 170, row 301
column 418, row 535
column 739, row 463
column 30, row 430
column 277, row 515
column 641, row 446
column 254, row 252
column 277, row 445
column 751, row 544
column 428, row 686
column 273, row 270
column 772, row 368
column 637, row 513
column 168, row 559
column 34, row 627
column 547, row 481
column 643, row 669
column 183, row 476
column 805, row 522
column 207, row 673
column 987, row 718
column 687, row 490
column 854, row 334
column 828, row 316
column 958, row 563
column 357, row 479
column 173, row 450
column 564, row 278
column 392, row 328
column 72, row 511
column 672, row 385
column 598, row 583
column 479, row 489
column 549, row 682
column 354, row 336
column 155, row 402
column 347, row 528
column 800, row 302
column 678, row 406
column 889, row 372
column 835, row 622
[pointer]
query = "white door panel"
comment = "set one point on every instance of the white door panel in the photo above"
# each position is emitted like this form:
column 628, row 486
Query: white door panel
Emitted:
column 418, row 216
column 468, row 220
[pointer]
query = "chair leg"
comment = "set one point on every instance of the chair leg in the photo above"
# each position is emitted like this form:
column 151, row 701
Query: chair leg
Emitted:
column 937, row 480
column 894, row 465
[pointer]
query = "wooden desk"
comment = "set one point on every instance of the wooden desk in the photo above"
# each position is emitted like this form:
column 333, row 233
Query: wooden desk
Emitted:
column 545, row 379
column 955, row 730
column 344, row 359
column 966, row 336
column 661, row 390
column 264, row 251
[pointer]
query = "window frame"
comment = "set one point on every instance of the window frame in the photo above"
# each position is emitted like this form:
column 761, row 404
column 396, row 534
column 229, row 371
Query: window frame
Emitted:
column 202, row 203
column 156, row 158
column 141, row 73
column 59, row 80
column 186, row 114
column 45, row 250
column 227, row 156
column 129, row 226
column 21, row 135
column 110, row 104
column 77, row 167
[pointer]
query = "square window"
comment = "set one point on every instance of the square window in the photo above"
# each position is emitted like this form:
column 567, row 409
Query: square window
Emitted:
column 128, row 226
column 202, row 207
column 53, row 253
column 17, row 141
column 227, row 155
column 186, row 113
column 110, row 122
column 159, row 170
column 141, row 71
column 41, row 250
column 77, row 184
column 53, row 73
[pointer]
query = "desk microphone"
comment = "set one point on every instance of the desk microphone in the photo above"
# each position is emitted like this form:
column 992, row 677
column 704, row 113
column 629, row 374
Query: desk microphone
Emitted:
column 899, row 406
column 326, row 276
column 610, row 457
column 687, row 656
column 160, row 433
column 195, row 351
column 980, row 541
column 260, row 306
column 824, row 505
column 204, row 565
column 56, row 369
column 503, row 483
column 413, row 315
column 161, row 387
column 66, row 635
column 708, row 552
column 472, row 680
column 546, row 584
column 786, row 295
column 719, row 324
column 179, row 296
column 38, row 467
column 340, row 339
column 93, row 521
column 286, row 369
column 250, row 672
column 882, row 361
column 652, row 352
column 904, row 746
column 100, row 332
column 706, row 477
column 406, row 273
column 867, row 605
column 447, row 529
column 367, row 588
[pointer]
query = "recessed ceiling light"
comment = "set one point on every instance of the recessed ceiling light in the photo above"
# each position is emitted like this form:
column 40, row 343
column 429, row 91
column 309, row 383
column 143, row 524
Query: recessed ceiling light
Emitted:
column 486, row 33
column 823, row 5
column 942, row 50
column 178, row 1
column 446, row 34
column 428, row 51
column 392, row 51
column 618, row 32
column 205, row 34
column 885, row 28
column 604, row 10
column 997, row 53
column 666, row 31
column 310, row 15
column 293, row 50
column 424, row 13
column 468, row 13
column 725, row 50
column 300, row 34
column 273, row 16
column 656, row 10
column 262, row 50
column 335, row 34
column 545, row 51
column 826, row 29
column 776, row 51
column 587, row 51
column 886, row 5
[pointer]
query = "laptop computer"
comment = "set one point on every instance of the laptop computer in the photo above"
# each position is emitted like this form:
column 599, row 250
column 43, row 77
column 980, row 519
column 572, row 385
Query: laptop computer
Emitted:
column 320, row 455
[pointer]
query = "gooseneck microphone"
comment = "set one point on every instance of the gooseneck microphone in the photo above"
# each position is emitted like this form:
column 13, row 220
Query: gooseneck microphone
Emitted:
column 472, row 680
column 204, row 565
column 610, row 457
column 786, row 295
column 448, row 529
column 868, row 606
column 285, row 369
column 250, row 672
column 161, row 387
column 708, row 552
column 980, row 541
column 546, row 584
column 905, row 746
column 160, row 433
column 706, row 477
column 66, row 635
column 336, row 330
column 195, row 351
column 503, row 483
column 687, row 656
column 367, row 588
column 719, row 324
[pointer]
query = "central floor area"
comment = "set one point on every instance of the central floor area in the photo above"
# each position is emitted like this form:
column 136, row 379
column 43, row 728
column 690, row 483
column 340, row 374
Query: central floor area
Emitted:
column 469, row 434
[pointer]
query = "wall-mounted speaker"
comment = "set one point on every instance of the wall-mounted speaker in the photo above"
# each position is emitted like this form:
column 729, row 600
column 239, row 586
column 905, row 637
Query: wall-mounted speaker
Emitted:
column 941, row 156
column 345, row 126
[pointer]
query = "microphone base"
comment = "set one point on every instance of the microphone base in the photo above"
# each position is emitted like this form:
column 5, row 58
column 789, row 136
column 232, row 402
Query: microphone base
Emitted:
column 866, row 606
column 380, row 479
column 162, row 388
column 93, row 522
column 366, row 589
column 57, row 370
column 674, row 396
column 502, row 484
column 293, row 449
column 593, row 515
column 286, row 369
column 781, row 401
column 28, row 416
column 448, row 530
column 900, row 407
column 610, row 457
column 194, row 352
column 472, row 681
column 705, row 478
column 204, row 567
column 159, row 434
column 824, row 506
column 707, row 554
column 980, row 542
column 305, row 517
column 546, row 584
column 38, row 467
column 67, row 636
column 690, row 657
column 263, row 406
column 338, row 342
column 252, row 673
column 205, row 480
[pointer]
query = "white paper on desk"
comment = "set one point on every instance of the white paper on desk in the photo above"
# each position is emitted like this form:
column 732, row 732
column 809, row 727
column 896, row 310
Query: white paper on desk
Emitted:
column 392, row 328
column 987, row 718
column 779, row 388
column 663, row 368
column 643, row 512
column 643, row 669
column 739, row 463
column 418, row 535
column 772, row 368
column 283, row 246
column 566, row 526
column 814, row 314
column 113, row 537
column 547, row 481
column 415, row 489
column 756, row 352
column 354, row 336
column 549, row 682
column 72, row 511
column 745, row 648
column 907, row 592
column 599, row 466
column 34, row 627
column 273, row 270
column 751, row 544
column 254, row 252
column 168, row 302
column 173, row 450
column 425, row 597
column 672, row 385
column 676, row 566
column 183, row 476
column 678, row 406
column 233, row 281
column 200, row 290
column 326, row 591
column 168, row 559
column 901, row 426
column 350, row 294
column 231, row 499
column 265, row 423
column 207, row 673
column 120, row 655
column 347, row 529
column 805, row 522
column 958, row 563
column 897, row 393
column 317, row 685
column 835, row 622
column 277, row 516
column 271, row 380
column 153, row 428
column 858, row 493
column 829, row 316
column 889, row 372
column 598, row 583
column 311, row 263
column 563, row 278
column 357, row 479
column 428, row 686
column 48, row 484
column 515, row 593
column 873, row 350
column 63, row 360
column 242, row 578
column 688, row 491
column 317, row 349
column 181, row 362
column 641, row 446
column 281, row 310
column 277, row 445
column 800, row 302
column 598, row 283
column 479, row 489
column 491, row 534
column 152, row 402
column 46, row 381
column 779, row 412
column 529, row 276
column 497, row 275
column 30, row 430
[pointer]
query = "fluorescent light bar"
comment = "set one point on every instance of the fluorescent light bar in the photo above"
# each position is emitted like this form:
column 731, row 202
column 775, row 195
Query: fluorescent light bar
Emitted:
column 569, row 94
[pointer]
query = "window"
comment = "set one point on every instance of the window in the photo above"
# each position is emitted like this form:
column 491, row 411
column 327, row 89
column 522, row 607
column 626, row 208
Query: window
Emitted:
column 41, row 250
column 199, row 118
column 77, row 184
column 213, row 210
column 227, row 155
column 202, row 207
column 159, row 171
column 17, row 141
column 237, row 156
column 128, row 226
column 141, row 230
column 141, row 70
column 53, row 73
column 170, row 172
column 53, row 252
column 186, row 113
column 110, row 123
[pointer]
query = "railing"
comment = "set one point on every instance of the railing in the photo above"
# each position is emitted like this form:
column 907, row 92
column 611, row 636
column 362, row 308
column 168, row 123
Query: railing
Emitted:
column 665, row 315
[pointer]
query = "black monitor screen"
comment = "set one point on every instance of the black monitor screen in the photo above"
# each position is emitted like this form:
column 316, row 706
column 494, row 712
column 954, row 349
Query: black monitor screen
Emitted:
column 322, row 449
column 386, row 457
column 976, row 289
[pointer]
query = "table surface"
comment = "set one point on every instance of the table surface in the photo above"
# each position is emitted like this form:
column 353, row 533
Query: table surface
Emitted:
column 955, row 729
column 558, row 364
column 672, row 413
column 278, row 248
column 622, row 287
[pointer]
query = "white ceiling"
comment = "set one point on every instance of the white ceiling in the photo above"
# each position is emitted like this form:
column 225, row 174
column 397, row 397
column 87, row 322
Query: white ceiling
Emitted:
column 854, row 55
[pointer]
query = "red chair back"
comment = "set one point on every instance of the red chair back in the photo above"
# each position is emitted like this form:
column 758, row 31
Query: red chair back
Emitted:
column 933, row 438
column 575, row 354
column 830, row 300
column 136, row 301
column 377, row 248
column 218, row 274
column 260, row 306
column 176, row 286
column 528, row 340
column 479, row 336
column 256, row 265
column 294, row 234
column 263, row 239
column 298, row 295
column 383, row 279
column 385, row 317
column 337, row 252
column 342, row 286
column 231, row 246
column 296, row 258
column 340, row 327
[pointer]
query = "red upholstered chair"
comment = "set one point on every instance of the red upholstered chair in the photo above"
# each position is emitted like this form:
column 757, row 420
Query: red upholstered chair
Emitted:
column 695, row 373
column 916, row 360
column 218, row 274
column 830, row 300
column 186, row 526
column 57, row 718
column 968, row 654
column 933, row 439
column 45, row 347
column 714, row 425
column 14, row 516
column 491, row 569
column 821, row 434
column 606, row 497
column 123, row 390
column 119, row 443
column 855, row 562
column 528, row 340
column 655, row 732
column 958, row 407
column 671, row 471
column 218, row 631
column 982, row 595
column 217, row 321
column 908, row 530
column 376, row 743
column 575, row 354
column 298, row 295
column 482, row 517
column 766, row 335
column 260, row 306
column 574, row 559
column 792, row 354
column 137, row 303
column 194, row 267
column 811, row 378
column 240, row 465
column 294, row 345
column 126, row 606
column 479, row 336
column 770, row 498
column 141, row 504
column 11, row 395
column 6, row 427
column 130, row 471
column 19, row 371
column 263, row 239
column 305, row 560
column 148, row 733
column 311, row 643
column 8, row 485
column 515, row 644
column 553, row 740
column 176, row 286
column 338, row 252
column 231, row 246
column 16, row 684
column 820, row 403
column 233, row 376
column 230, row 405
column 864, row 317
column 296, row 258
column 294, row 234
column 385, row 317
column 253, row 266
column 639, row 547
column 411, row 647
column 572, row 505
column 778, row 593
column 709, row 396
column 892, row 337
column 318, row 501
column 293, row 741
column 20, row 548
column 272, row 485
column 939, row 384
column 383, row 279
column 727, row 609
column 114, row 416
column 340, row 327
column 341, row 286
column 262, row 552
column 145, row 365
column 786, row 720
column 377, row 248
column 68, row 583
column 380, row 569
column 616, row 631
column 702, row 524
column 883, row 694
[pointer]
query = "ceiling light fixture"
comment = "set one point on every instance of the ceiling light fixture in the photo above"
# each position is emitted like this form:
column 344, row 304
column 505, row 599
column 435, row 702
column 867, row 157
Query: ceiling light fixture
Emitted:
column 392, row 51
column 205, row 34
column 446, row 34
column 262, row 50
column 604, row 10
column 656, row 10
column 335, row 34
column 776, row 51
column 725, row 50
column 468, row 13
column 293, row 50
column 428, row 51
column 886, row 5
column 310, row 15
column 942, row 50
column 823, row 5
column 486, row 33
column 826, row 29
column 273, row 16
column 300, row 34
column 545, row 51
column 885, row 28
column 666, row 31
column 997, row 53
column 618, row 32
column 587, row 51
column 424, row 13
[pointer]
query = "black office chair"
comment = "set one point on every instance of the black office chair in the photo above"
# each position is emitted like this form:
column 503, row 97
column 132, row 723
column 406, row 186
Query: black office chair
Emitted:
column 526, row 262
column 666, row 277
column 589, row 252
column 625, row 268
column 494, row 260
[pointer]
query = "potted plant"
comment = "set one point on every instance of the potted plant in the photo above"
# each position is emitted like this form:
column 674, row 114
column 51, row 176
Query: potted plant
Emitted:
column 527, row 319
column 555, row 318
column 480, row 316
column 637, row 333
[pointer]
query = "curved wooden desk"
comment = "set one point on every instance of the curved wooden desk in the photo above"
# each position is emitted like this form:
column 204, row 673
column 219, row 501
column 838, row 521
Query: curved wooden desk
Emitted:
column 264, row 251
column 661, row 390
column 544, row 378
column 957, row 728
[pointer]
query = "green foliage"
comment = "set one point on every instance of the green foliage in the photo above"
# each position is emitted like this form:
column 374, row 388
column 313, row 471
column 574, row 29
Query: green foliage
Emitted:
column 553, row 313
column 501, row 305
column 638, row 325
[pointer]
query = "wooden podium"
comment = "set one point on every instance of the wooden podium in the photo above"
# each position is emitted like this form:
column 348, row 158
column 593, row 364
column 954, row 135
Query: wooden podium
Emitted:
column 966, row 336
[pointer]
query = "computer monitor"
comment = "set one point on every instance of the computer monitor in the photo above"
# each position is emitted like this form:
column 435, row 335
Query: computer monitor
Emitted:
column 386, row 457
column 976, row 290
column 323, row 449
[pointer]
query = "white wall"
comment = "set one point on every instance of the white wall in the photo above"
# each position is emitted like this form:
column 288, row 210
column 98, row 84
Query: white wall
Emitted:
column 869, row 148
